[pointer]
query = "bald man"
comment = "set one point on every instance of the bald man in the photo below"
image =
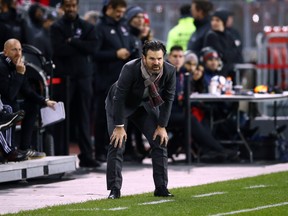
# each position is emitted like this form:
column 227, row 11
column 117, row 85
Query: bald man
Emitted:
column 13, row 81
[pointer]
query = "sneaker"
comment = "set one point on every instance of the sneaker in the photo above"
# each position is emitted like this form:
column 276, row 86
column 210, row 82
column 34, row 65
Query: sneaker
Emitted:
column 32, row 154
column 89, row 163
column 9, row 119
column 15, row 155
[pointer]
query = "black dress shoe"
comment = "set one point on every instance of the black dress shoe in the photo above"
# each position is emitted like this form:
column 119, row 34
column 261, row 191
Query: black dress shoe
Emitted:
column 114, row 194
column 89, row 163
column 162, row 192
column 16, row 155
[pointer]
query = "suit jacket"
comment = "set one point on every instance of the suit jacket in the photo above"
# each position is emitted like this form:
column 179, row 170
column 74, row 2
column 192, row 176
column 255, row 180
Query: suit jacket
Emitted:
column 126, row 95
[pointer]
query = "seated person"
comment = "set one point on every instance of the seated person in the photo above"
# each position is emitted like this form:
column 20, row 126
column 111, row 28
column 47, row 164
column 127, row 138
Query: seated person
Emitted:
column 209, row 148
column 7, row 120
column 13, row 82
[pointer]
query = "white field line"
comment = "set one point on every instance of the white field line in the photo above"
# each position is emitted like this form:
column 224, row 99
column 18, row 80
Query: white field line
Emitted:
column 155, row 202
column 97, row 209
column 209, row 194
column 256, row 186
column 252, row 209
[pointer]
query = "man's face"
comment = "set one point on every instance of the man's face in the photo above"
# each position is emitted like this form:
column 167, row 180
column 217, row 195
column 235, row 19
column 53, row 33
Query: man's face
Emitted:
column 14, row 51
column 190, row 66
column 217, row 24
column 212, row 64
column 176, row 58
column 70, row 8
column 116, row 13
column 154, row 61
column 138, row 21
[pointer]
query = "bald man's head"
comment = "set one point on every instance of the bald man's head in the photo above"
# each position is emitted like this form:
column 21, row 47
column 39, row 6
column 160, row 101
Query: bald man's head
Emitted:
column 13, row 50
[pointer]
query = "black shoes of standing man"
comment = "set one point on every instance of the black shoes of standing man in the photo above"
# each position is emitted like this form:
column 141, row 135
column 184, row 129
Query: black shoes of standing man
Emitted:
column 7, row 120
column 159, row 192
column 114, row 194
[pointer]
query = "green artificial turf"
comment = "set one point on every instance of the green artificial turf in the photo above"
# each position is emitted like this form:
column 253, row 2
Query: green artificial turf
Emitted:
column 261, row 195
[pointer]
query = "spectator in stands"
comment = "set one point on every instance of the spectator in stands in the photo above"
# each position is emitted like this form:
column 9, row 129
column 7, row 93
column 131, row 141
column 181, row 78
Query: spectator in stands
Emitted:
column 200, row 10
column 222, row 41
column 113, row 50
column 35, row 20
column 147, row 33
column 74, row 41
column 13, row 82
column 212, row 63
column 181, row 33
column 42, row 39
column 208, row 147
column 12, row 25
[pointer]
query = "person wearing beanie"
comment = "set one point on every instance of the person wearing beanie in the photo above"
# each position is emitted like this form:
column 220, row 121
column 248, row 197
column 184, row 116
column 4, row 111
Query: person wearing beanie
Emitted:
column 221, row 41
column 146, row 34
column 190, row 61
column 180, row 34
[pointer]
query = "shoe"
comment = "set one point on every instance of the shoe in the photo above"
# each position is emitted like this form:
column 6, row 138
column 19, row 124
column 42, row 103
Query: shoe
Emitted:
column 15, row 155
column 232, row 155
column 162, row 192
column 89, row 163
column 32, row 154
column 114, row 194
column 7, row 120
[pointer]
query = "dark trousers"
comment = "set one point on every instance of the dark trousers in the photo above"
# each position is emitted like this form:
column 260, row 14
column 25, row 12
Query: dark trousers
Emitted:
column 147, row 124
column 199, row 133
column 28, row 125
column 82, row 87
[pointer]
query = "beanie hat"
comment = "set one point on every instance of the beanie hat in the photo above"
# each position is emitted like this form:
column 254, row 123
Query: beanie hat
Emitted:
column 190, row 56
column 208, row 53
column 132, row 12
column 146, row 19
column 222, row 14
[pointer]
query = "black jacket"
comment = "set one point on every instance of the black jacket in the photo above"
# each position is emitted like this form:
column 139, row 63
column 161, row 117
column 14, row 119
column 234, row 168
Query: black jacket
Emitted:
column 111, row 36
column 73, row 58
column 12, row 84
column 196, row 42
column 225, row 45
column 126, row 95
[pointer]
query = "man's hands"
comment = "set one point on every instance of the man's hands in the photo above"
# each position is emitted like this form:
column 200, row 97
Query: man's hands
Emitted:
column 162, row 133
column 118, row 136
column 20, row 67
column 51, row 103
column 123, row 54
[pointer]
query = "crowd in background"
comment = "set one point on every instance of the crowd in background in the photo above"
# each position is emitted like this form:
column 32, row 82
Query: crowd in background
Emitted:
column 89, row 52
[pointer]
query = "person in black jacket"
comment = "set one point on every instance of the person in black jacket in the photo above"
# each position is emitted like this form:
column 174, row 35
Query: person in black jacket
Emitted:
column 12, row 25
column 144, row 94
column 14, row 82
column 223, row 42
column 74, row 41
column 113, row 50
column 201, row 13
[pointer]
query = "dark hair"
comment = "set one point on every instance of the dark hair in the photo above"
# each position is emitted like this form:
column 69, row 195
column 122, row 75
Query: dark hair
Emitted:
column 185, row 10
column 114, row 4
column 205, row 5
column 154, row 46
column 176, row 48
column 62, row 2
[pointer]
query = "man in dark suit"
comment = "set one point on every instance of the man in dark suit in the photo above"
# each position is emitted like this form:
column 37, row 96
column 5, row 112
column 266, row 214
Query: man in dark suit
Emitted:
column 144, row 94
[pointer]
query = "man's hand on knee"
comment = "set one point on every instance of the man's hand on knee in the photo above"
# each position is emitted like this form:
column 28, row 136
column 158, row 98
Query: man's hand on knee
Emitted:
column 118, row 136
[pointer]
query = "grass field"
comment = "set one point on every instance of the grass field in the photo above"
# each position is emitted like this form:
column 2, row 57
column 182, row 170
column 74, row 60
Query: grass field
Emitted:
column 262, row 195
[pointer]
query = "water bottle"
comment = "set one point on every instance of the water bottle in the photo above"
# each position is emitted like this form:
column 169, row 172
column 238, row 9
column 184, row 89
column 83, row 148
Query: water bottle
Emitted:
column 228, row 86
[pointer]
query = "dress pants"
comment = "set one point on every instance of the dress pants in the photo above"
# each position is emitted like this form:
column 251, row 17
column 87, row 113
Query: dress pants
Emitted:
column 147, row 123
